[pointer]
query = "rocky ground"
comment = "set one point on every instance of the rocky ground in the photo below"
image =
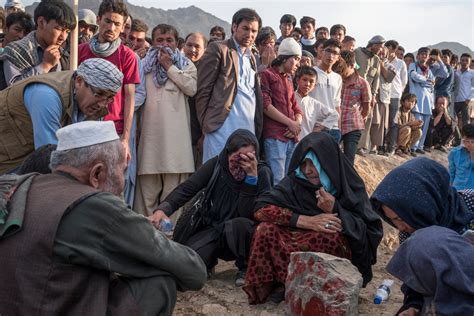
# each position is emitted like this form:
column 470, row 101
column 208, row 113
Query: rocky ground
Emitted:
column 221, row 297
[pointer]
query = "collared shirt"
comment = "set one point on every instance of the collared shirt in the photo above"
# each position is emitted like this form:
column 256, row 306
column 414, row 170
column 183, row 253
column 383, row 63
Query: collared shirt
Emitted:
column 315, row 113
column 400, row 80
column 466, row 85
column 277, row 90
column 328, row 89
column 242, row 112
column 355, row 92
column 421, row 86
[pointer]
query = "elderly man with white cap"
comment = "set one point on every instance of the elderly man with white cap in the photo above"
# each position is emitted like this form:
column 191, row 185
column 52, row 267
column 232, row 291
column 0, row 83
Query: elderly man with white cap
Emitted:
column 32, row 110
column 282, row 114
column 81, row 250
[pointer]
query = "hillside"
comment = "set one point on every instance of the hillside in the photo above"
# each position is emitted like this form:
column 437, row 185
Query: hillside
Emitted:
column 186, row 20
column 455, row 47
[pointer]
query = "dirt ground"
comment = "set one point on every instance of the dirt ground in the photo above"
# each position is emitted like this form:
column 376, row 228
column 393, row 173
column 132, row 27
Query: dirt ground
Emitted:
column 221, row 297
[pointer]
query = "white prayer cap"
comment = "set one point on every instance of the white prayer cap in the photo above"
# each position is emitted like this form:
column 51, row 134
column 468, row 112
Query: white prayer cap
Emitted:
column 85, row 134
column 289, row 47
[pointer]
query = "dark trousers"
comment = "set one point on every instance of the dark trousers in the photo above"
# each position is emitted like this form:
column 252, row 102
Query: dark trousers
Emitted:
column 350, row 141
column 232, row 243
column 438, row 136
column 392, row 131
column 462, row 109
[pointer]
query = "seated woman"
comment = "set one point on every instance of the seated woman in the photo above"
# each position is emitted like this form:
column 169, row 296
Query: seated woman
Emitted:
column 461, row 160
column 229, row 221
column 321, row 206
column 439, row 276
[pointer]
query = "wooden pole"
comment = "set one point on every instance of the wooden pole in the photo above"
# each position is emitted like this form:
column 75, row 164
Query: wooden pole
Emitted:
column 74, row 38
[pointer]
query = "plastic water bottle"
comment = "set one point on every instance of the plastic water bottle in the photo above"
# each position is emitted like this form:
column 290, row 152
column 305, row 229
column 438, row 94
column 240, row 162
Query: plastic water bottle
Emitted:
column 383, row 291
column 166, row 226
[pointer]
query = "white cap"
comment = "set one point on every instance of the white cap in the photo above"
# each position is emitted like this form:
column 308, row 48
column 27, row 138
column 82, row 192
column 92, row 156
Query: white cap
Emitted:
column 85, row 134
column 289, row 47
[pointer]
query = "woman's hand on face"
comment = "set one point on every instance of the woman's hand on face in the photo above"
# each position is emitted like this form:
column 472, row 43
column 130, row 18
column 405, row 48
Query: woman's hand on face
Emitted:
column 323, row 223
column 325, row 200
column 248, row 162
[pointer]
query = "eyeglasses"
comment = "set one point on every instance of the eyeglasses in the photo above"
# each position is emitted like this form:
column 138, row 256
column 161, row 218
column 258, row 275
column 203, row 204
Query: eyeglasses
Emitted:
column 468, row 140
column 331, row 52
column 103, row 96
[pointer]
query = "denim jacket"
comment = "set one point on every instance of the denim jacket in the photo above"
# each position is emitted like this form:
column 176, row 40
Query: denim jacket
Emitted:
column 460, row 168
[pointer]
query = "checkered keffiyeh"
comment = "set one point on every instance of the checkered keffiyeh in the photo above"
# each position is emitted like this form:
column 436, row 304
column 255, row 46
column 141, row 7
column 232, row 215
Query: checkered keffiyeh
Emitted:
column 101, row 74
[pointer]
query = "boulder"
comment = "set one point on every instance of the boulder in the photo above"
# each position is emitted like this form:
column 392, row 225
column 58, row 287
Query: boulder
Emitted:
column 321, row 284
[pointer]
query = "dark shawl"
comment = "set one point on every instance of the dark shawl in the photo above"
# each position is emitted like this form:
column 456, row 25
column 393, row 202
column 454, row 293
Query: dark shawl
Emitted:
column 441, row 272
column 361, row 226
column 420, row 194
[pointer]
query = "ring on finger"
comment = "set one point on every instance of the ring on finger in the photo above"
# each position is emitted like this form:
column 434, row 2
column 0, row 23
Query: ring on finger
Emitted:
column 327, row 225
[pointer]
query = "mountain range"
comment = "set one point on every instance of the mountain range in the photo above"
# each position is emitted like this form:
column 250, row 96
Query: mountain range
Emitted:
column 455, row 47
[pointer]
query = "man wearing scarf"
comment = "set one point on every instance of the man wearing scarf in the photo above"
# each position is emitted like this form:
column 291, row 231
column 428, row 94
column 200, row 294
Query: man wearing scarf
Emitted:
column 40, row 51
column 107, row 44
column 165, row 155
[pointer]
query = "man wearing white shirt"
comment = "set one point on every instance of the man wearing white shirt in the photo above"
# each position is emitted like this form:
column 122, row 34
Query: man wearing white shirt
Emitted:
column 329, row 86
column 398, row 85
column 466, row 89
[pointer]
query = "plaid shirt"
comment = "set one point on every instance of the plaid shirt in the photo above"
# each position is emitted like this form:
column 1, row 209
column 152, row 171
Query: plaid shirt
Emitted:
column 355, row 92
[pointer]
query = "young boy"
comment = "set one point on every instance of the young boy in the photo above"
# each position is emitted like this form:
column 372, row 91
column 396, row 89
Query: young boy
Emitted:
column 355, row 97
column 317, row 117
column 409, row 128
column 460, row 159
column 282, row 115
column 308, row 26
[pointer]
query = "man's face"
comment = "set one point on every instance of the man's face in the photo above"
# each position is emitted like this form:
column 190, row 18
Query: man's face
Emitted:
column 269, row 42
column 322, row 34
column 400, row 53
column 51, row 33
column 194, row 48
column 216, row 36
column 296, row 36
column 338, row 35
column 432, row 59
column 422, row 57
column 441, row 103
column 306, row 83
column 164, row 39
column 137, row 39
column 446, row 59
column 376, row 48
column 291, row 65
column 110, row 26
column 126, row 29
column 349, row 45
column 91, row 100
column 11, row 10
column 14, row 32
column 391, row 50
column 331, row 55
column 408, row 60
column 245, row 33
column 86, row 29
column 308, row 30
column 408, row 104
column 465, row 61
column 286, row 29
column 305, row 61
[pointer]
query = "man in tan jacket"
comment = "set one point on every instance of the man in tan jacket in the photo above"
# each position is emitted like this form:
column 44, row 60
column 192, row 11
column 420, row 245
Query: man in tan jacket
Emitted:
column 228, row 93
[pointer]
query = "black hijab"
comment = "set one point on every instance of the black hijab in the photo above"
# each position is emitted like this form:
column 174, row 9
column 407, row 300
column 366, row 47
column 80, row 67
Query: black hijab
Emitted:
column 420, row 194
column 361, row 226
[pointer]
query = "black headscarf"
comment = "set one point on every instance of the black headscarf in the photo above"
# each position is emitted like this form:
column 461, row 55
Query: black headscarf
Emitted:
column 361, row 226
column 420, row 194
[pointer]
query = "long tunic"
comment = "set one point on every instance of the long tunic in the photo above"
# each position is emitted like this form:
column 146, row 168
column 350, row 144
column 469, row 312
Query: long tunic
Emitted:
column 165, row 140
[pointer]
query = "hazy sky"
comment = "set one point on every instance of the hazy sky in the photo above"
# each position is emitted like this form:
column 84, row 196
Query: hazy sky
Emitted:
column 413, row 23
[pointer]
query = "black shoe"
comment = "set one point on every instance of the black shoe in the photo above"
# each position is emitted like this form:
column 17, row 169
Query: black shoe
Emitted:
column 420, row 151
column 240, row 278
column 413, row 154
column 427, row 149
column 277, row 296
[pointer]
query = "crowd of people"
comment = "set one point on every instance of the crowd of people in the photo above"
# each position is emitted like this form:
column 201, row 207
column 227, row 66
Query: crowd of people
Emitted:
column 267, row 126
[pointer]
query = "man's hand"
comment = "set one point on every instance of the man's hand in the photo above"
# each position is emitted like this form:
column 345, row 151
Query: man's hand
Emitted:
column 325, row 200
column 141, row 52
column 410, row 312
column 165, row 59
column 157, row 217
column 268, row 55
column 294, row 127
column 125, row 144
column 51, row 57
column 248, row 162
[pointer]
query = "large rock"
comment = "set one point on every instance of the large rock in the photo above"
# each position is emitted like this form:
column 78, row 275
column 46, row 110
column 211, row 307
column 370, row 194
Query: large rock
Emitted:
column 321, row 284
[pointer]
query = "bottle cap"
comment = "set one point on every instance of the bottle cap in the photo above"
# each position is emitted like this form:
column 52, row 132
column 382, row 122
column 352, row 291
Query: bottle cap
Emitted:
column 377, row 299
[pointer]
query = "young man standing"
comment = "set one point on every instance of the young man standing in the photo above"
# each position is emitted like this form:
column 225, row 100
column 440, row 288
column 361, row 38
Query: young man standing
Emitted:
column 328, row 90
column 228, row 94
column 308, row 26
column 136, row 37
column 40, row 51
column 287, row 25
column 282, row 115
column 107, row 44
column 466, row 89
column 322, row 33
column 338, row 32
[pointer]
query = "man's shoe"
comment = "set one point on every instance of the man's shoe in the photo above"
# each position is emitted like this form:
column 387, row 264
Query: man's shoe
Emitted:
column 361, row 152
column 427, row 149
column 413, row 153
column 240, row 278
column 420, row 151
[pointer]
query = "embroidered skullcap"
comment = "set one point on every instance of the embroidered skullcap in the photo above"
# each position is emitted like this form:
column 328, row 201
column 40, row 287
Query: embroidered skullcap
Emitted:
column 85, row 134
column 101, row 74
column 289, row 47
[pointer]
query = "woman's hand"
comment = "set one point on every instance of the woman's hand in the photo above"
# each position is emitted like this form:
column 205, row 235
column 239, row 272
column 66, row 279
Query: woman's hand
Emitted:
column 325, row 200
column 323, row 223
column 157, row 217
column 248, row 162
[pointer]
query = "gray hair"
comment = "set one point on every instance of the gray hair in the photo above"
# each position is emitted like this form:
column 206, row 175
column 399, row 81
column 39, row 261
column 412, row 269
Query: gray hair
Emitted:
column 111, row 153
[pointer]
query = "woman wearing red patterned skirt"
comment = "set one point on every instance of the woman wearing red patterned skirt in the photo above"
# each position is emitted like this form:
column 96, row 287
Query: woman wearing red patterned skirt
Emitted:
column 321, row 206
